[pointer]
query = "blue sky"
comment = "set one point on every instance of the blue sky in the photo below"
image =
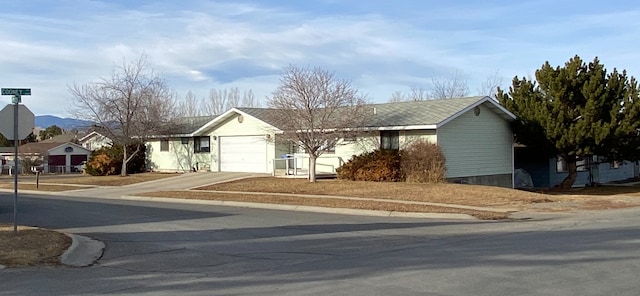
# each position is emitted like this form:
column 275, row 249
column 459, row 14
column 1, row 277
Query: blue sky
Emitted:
column 381, row 46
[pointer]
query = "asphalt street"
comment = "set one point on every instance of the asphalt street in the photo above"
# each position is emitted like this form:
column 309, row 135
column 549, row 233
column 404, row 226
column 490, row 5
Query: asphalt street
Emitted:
column 185, row 249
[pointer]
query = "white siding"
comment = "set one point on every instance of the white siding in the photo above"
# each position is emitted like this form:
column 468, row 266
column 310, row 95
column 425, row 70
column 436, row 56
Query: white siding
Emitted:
column 248, row 127
column 179, row 158
column 477, row 145
column 408, row 137
column 329, row 161
column 96, row 142
column 61, row 150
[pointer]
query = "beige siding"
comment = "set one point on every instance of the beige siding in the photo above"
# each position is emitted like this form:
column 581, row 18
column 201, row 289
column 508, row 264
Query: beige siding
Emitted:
column 248, row 127
column 346, row 150
column 477, row 145
column 329, row 161
column 179, row 158
column 408, row 137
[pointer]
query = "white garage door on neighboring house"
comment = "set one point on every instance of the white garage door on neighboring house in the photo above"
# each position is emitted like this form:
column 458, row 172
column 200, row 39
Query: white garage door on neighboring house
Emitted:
column 243, row 154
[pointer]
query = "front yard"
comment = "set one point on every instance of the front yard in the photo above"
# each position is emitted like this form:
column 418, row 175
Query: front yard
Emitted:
column 471, row 195
column 483, row 202
column 31, row 247
column 87, row 180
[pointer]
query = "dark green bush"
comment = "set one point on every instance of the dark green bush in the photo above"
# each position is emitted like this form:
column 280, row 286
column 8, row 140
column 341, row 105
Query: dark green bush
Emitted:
column 378, row 165
column 423, row 162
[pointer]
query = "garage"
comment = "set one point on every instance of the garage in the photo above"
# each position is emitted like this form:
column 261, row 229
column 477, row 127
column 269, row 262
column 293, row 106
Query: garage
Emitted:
column 243, row 154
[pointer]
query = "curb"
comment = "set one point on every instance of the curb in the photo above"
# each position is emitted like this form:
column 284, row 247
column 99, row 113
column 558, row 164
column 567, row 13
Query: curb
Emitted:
column 311, row 209
column 83, row 252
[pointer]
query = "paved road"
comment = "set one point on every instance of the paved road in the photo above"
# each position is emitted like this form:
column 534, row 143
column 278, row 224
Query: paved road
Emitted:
column 177, row 249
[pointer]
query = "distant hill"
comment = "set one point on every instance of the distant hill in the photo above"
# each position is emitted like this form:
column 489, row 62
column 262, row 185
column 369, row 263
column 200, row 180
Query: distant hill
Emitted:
column 45, row 121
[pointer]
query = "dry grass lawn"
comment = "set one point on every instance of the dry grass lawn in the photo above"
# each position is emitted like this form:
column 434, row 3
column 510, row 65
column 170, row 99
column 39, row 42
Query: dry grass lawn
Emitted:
column 31, row 247
column 92, row 180
column 326, row 202
column 42, row 187
column 472, row 195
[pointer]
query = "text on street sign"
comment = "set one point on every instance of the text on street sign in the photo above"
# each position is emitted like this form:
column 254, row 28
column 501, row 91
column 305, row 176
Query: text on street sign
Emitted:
column 16, row 91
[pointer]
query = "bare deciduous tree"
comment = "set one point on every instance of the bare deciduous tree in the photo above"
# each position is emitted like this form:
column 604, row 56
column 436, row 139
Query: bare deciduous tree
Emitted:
column 489, row 87
column 189, row 106
column 453, row 86
column 221, row 100
column 314, row 108
column 418, row 94
column 397, row 96
column 415, row 94
column 129, row 106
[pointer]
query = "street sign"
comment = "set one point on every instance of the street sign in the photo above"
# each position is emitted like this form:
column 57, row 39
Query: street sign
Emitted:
column 26, row 121
column 16, row 91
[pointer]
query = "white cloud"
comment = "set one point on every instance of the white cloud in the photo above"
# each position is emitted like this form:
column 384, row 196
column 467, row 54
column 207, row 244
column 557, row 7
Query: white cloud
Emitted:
column 199, row 45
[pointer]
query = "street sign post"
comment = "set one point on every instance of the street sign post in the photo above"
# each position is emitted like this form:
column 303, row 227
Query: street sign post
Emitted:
column 17, row 94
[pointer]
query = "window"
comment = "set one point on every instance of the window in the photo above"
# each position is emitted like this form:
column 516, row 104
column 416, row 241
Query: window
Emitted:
column 349, row 138
column 581, row 164
column 561, row 165
column 390, row 140
column 201, row 144
column 584, row 164
column 164, row 145
column 615, row 164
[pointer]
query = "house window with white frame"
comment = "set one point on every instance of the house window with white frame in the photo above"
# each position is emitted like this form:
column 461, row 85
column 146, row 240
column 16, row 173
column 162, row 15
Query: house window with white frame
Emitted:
column 164, row 145
column 201, row 144
column 582, row 164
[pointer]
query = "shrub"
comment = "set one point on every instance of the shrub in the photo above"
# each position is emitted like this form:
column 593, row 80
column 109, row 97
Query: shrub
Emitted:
column 108, row 161
column 28, row 162
column 423, row 162
column 101, row 164
column 379, row 165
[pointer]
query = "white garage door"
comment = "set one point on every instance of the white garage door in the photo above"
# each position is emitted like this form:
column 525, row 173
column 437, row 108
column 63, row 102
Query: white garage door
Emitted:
column 243, row 154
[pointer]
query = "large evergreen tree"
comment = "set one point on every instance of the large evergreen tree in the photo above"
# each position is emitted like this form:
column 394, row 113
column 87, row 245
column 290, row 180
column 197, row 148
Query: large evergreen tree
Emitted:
column 576, row 111
column 50, row 132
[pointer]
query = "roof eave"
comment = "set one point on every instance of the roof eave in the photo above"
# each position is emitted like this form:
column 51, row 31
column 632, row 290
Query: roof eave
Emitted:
column 504, row 113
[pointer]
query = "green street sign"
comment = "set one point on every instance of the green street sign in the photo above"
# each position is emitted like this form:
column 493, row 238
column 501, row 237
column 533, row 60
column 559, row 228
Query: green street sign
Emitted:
column 16, row 91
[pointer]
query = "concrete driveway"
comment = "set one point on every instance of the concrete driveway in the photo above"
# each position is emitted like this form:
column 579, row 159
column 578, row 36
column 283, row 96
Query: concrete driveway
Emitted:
column 181, row 182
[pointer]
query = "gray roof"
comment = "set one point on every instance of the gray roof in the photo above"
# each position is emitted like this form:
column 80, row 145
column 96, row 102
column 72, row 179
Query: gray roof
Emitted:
column 63, row 138
column 415, row 113
column 188, row 125
column 267, row 115
column 429, row 112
